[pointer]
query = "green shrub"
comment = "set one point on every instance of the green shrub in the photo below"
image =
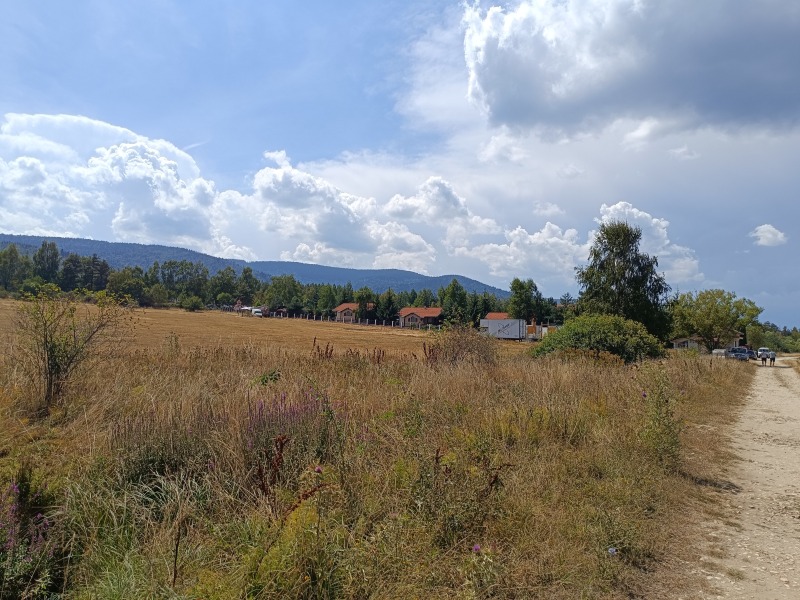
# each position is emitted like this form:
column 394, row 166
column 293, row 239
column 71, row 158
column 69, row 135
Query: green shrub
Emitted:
column 603, row 333
column 192, row 304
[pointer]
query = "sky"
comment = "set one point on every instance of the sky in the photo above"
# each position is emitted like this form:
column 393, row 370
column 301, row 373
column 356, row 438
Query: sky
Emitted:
column 485, row 139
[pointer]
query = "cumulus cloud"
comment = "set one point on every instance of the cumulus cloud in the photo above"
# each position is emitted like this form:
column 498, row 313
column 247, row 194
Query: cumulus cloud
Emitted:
column 577, row 65
column 767, row 235
column 436, row 203
column 73, row 176
column 435, row 199
column 137, row 189
column 550, row 250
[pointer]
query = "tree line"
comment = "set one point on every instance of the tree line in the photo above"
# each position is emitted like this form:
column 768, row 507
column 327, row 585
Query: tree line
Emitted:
column 618, row 280
column 190, row 285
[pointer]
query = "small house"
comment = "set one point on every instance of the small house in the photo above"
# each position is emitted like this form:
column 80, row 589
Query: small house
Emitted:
column 694, row 342
column 418, row 316
column 686, row 343
column 347, row 311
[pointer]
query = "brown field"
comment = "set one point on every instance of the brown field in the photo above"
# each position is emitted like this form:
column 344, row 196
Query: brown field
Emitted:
column 154, row 327
column 222, row 328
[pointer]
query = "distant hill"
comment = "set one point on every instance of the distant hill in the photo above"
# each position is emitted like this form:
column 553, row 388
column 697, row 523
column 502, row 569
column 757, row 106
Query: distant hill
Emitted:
column 122, row 254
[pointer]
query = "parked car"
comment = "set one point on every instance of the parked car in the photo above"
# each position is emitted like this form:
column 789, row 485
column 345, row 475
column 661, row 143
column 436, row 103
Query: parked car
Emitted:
column 257, row 312
column 751, row 353
column 738, row 353
column 763, row 351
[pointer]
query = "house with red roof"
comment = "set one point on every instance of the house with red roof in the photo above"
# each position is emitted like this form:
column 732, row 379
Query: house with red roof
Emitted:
column 347, row 311
column 417, row 316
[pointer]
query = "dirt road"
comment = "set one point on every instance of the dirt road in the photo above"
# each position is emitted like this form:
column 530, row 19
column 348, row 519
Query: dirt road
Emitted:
column 753, row 551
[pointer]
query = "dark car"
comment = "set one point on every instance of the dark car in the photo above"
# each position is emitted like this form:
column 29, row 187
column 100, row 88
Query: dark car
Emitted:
column 738, row 353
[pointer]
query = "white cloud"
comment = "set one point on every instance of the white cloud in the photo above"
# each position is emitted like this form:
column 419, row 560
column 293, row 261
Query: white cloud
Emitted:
column 767, row 235
column 437, row 204
column 400, row 248
column 547, row 209
column 435, row 199
column 503, row 146
column 550, row 250
column 319, row 253
column 645, row 130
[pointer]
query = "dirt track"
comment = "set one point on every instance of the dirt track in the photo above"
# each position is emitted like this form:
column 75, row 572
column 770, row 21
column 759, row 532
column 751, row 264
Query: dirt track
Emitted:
column 755, row 553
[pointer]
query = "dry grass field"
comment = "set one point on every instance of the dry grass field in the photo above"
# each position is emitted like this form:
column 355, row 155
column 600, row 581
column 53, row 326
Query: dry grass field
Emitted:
column 215, row 328
column 216, row 456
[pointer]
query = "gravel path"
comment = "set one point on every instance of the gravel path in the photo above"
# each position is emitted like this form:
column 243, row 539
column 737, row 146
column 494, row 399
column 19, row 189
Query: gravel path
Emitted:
column 755, row 553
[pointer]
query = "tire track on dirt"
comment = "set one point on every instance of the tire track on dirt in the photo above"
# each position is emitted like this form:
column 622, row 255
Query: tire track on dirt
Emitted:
column 756, row 551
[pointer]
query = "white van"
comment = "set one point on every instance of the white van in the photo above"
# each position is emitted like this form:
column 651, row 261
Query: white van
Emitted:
column 257, row 312
column 762, row 352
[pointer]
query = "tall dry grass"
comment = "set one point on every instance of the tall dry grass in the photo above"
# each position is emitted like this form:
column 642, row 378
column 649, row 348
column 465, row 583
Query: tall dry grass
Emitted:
column 259, row 471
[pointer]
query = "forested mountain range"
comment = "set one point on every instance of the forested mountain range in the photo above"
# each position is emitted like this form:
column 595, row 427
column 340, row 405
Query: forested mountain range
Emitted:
column 123, row 254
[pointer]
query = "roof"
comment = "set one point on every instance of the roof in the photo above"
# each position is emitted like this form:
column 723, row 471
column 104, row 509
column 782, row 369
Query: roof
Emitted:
column 352, row 306
column 421, row 311
column 496, row 316
column 345, row 306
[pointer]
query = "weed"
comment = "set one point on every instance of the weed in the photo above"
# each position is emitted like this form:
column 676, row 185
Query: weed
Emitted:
column 30, row 559
column 661, row 433
column 268, row 377
column 284, row 435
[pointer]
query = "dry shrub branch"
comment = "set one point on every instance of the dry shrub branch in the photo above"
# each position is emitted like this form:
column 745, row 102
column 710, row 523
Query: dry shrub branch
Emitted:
column 58, row 336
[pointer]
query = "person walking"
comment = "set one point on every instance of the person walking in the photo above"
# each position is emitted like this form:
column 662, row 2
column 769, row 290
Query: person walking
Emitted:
column 772, row 358
column 764, row 358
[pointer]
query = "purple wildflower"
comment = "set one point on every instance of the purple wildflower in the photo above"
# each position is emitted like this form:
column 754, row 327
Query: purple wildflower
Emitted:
column 476, row 548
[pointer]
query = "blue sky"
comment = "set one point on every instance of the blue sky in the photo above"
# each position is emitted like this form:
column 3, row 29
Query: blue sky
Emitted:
column 484, row 139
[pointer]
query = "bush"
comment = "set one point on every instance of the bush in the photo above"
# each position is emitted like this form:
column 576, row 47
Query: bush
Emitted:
column 192, row 304
column 58, row 336
column 459, row 344
column 603, row 333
